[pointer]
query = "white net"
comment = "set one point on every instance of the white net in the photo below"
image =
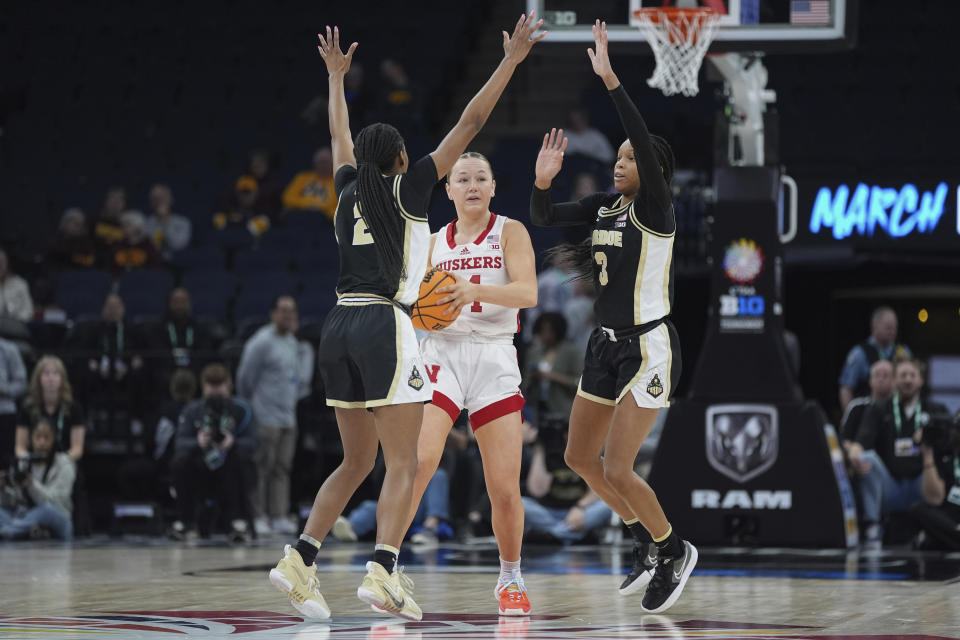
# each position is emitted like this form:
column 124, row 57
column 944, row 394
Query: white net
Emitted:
column 679, row 40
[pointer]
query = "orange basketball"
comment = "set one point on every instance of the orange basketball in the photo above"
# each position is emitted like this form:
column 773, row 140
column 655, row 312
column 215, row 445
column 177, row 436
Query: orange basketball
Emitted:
column 426, row 313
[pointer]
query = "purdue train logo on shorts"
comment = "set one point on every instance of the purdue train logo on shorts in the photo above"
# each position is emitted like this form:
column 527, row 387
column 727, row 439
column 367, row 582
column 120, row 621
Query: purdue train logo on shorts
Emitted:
column 415, row 381
column 655, row 387
column 742, row 439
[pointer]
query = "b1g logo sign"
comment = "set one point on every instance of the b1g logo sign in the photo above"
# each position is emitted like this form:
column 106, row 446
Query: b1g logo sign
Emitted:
column 741, row 309
column 742, row 439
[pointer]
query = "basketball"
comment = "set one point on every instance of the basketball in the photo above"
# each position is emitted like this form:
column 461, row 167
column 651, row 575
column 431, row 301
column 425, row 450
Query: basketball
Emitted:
column 427, row 314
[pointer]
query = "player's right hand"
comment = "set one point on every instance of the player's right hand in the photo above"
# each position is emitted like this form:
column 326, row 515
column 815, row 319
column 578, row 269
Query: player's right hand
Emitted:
column 550, row 158
column 330, row 51
column 517, row 46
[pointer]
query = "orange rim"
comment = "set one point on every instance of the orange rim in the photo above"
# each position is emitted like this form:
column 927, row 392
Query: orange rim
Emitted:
column 695, row 17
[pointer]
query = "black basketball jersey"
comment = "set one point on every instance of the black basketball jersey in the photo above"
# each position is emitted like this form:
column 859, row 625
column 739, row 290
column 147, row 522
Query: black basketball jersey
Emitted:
column 632, row 267
column 359, row 263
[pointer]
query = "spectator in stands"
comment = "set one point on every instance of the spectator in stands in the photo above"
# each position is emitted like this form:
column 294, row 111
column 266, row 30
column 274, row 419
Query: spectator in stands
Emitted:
column 215, row 444
column 881, row 390
column 170, row 232
column 179, row 338
column 111, row 375
column 881, row 345
column 939, row 511
column 73, row 248
column 241, row 209
column 135, row 250
column 275, row 371
column 269, row 184
column 35, row 500
column 554, row 289
column 579, row 314
column 149, row 476
column 13, row 383
column 15, row 301
column 313, row 190
column 587, row 141
column 559, row 503
column 108, row 231
column 885, row 453
column 50, row 398
column 397, row 103
column 553, row 368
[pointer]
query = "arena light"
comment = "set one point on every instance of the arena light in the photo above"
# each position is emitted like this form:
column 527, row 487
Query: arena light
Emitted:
column 923, row 315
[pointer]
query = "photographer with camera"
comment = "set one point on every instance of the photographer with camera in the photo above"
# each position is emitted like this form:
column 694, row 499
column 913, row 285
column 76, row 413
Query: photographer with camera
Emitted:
column 938, row 514
column 886, row 454
column 35, row 491
column 215, row 443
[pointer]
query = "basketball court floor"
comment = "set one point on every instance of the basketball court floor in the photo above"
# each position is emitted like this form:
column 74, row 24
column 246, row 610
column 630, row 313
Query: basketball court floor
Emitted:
column 151, row 589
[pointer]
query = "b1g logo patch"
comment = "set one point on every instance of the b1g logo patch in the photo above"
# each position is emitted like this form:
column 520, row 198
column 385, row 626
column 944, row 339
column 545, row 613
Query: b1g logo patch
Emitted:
column 415, row 381
column 655, row 387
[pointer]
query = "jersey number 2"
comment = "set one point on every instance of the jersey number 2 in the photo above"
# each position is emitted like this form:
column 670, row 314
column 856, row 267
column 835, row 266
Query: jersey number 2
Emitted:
column 475, row 307
column 601, row 259
column 361, row 234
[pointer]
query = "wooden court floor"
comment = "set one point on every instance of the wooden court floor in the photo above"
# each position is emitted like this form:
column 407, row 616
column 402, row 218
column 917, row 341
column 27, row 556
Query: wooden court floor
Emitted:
column 151, row 590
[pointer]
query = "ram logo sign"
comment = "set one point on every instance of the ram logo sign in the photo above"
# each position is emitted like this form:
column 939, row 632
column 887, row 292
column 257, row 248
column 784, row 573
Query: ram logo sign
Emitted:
column 742, row 439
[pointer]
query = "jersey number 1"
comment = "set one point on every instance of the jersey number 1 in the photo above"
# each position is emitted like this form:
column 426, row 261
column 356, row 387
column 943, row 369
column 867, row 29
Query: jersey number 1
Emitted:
column 475, row 307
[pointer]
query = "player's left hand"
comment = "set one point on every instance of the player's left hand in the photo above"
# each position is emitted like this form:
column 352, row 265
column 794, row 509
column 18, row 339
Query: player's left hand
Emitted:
column 463, row 292
column 330, row 51
column 599, row 58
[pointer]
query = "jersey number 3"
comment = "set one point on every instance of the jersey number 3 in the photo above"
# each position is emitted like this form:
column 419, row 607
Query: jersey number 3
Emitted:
column 601, row 259
column 361, row 234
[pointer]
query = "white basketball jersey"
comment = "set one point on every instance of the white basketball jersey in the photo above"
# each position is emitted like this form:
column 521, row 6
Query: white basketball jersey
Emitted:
column 480, row 261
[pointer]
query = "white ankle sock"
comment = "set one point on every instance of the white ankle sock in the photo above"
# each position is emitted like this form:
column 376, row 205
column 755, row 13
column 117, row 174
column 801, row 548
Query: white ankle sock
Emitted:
column 508, row 570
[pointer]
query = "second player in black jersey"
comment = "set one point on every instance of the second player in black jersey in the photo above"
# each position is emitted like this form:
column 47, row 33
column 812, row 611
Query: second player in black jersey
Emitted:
column 368, row 355
column 632, row 360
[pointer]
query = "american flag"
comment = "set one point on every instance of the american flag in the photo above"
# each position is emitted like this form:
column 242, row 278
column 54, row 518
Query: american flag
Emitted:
column 810, row 12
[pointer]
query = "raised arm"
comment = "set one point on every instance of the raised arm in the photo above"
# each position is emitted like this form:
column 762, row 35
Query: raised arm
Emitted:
column 515, row 49
column 648, row 167
column 341, row 142
column 543, row 212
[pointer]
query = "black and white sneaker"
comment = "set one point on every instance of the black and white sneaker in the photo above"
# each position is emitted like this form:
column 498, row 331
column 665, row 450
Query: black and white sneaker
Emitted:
column 668, row 580
column 644, row 562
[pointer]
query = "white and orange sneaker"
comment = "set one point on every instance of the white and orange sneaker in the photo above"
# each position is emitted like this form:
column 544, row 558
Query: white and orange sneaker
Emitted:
column 512, row 597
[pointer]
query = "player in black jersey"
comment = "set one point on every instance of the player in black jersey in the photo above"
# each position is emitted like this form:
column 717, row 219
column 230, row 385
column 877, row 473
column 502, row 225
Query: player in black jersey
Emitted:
column 632, row 361
column 368, row 356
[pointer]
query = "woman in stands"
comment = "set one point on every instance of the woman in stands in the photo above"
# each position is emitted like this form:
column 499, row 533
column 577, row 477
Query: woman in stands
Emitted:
column 50, row 396
column 368, row 356
column 632, row 361
column 473, row 364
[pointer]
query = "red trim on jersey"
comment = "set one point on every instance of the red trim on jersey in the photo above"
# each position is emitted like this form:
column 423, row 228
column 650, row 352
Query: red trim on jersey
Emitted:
column 452, row 230
column 493, row 219
column 496, row 410
column 443, row 402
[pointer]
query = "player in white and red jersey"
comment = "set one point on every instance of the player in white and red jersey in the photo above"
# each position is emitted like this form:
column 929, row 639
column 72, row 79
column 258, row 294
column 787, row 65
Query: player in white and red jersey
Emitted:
column 473, row 363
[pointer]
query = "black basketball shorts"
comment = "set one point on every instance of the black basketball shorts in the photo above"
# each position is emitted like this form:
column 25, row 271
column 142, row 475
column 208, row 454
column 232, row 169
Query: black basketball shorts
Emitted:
column 647, row 365
column 369, row 356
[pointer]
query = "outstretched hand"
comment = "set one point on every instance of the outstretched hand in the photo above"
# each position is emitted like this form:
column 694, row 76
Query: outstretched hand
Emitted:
column 600, row 57
column 517, row 46
column 330, row 51
column 550, row 158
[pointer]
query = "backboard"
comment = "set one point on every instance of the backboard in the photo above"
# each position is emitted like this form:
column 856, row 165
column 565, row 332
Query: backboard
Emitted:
column 775, row 26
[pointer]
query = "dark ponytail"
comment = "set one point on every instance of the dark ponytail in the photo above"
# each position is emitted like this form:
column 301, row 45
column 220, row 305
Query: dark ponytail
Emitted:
column 376, row 148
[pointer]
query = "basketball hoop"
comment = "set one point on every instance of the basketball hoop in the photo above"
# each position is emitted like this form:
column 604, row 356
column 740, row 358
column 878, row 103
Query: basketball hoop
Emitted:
column 679, row 39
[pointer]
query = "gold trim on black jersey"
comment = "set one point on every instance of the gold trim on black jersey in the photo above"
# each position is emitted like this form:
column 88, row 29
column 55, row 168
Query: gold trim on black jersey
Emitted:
column 639, row 225
column 396, row 196
column 615, row 209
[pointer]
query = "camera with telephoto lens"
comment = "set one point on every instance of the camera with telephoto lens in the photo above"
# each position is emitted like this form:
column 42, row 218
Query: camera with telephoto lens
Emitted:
column 942, row 433
column 21, row 467
column 216, row 421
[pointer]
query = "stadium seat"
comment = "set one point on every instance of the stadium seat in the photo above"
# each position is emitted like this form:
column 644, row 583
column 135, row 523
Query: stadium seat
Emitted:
column 81, row 292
